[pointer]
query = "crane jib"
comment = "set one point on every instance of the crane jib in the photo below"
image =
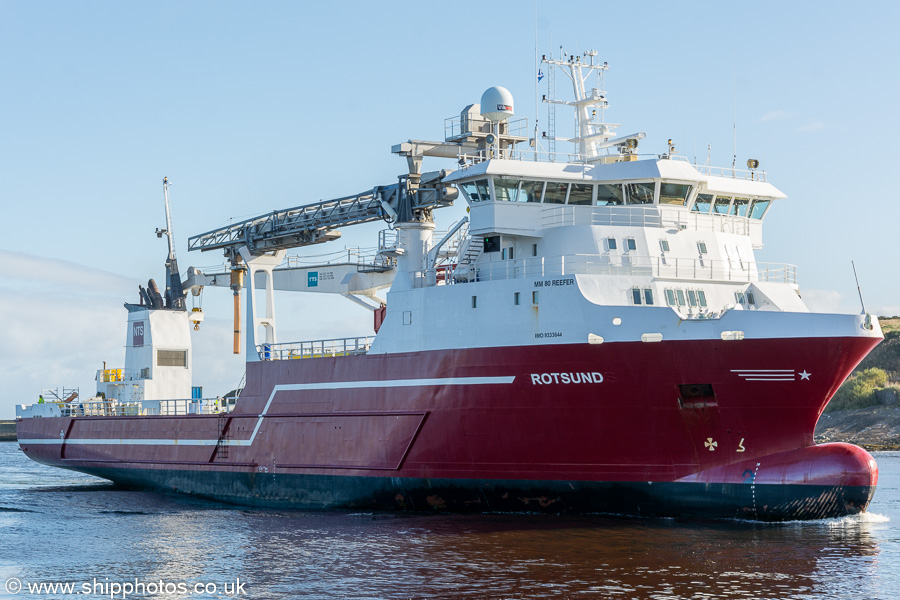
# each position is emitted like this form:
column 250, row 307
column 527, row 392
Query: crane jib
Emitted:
column 311, row 223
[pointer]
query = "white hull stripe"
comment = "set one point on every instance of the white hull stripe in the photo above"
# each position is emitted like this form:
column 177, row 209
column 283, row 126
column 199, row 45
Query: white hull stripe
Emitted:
column 291, row 387
column 766, row 374
column 118, row 442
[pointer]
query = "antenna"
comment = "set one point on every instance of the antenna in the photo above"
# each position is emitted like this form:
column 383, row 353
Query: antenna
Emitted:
column 858, row 289
column 734, row 120
column 536, row 80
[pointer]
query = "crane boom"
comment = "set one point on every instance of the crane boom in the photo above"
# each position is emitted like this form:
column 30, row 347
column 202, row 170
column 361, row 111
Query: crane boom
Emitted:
column 408, row 200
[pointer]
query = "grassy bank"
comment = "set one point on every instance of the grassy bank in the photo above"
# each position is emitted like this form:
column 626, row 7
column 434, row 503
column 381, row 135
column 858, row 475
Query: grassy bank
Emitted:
column 876, row 380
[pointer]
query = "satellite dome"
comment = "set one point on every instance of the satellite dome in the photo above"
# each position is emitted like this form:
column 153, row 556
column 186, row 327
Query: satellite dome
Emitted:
column 497, row 104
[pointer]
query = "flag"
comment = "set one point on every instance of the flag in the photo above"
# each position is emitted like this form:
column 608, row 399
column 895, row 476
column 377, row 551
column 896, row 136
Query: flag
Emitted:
column 540, row 74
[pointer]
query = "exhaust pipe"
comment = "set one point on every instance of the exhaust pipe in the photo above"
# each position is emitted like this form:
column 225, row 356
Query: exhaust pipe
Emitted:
column 237, row 282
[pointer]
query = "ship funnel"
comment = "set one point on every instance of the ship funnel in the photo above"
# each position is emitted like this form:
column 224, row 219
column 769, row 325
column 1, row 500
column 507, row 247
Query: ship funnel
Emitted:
column 497, row 104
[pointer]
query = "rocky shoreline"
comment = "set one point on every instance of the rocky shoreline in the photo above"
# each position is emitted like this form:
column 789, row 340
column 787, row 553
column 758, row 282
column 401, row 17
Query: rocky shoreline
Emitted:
column 7, row 431
column 873, row 428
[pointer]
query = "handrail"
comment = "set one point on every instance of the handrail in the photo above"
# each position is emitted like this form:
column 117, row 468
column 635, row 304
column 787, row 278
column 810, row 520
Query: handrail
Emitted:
column 624, row 264
column 750, row 175
column 121, row 375
column 533, row 154
column 639, row 216
column 315, row 348
column 141, row 408
column 453, row 127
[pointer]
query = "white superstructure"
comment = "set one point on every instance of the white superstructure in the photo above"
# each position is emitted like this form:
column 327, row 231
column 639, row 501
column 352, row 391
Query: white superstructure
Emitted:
column 553, row 247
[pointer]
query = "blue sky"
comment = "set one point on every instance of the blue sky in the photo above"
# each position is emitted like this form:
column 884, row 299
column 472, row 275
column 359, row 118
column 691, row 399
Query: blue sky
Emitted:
column 249, row 107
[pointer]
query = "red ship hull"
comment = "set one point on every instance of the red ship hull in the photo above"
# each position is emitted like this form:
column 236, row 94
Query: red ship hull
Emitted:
column 668, row 428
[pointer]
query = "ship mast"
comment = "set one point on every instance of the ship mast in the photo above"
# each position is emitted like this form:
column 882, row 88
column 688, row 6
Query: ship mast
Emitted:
column 591, row 135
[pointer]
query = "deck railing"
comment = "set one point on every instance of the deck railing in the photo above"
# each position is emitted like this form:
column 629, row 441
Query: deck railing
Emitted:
column 540, row 155
column 636, row 216
column 315, row 348
column 624, row 264
column 115, row 408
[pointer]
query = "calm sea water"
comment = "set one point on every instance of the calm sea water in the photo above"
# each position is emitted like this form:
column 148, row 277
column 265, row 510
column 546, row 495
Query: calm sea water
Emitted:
column 63, row 527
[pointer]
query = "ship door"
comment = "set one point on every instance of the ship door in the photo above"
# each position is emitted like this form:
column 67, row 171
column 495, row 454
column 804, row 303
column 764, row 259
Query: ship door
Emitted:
column 702, row 420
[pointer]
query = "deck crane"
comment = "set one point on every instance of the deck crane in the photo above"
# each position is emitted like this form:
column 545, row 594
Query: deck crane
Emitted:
column 254, row 248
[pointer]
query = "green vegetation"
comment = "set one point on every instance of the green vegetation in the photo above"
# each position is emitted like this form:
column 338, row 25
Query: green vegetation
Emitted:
column 878, row 370
column 859, row 390
column 886, row 355
column 889, row 324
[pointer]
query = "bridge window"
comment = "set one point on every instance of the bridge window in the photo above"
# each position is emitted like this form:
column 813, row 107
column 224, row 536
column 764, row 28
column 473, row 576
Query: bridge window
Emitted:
column 759, row 208
column 648, row 296
column 630, row 244
column 680, row 294
column 702, row 203
column 531, row 191
column 721, row 206
column 476, row 191
column 701, row 297
column 555, row 192
column 611, row 243
column 674, row 193
column 740, row 206
column 506, row 190
column 581, row 193
column 609, row 195
column 670, row 297
column 639, row 193
column 636, row 295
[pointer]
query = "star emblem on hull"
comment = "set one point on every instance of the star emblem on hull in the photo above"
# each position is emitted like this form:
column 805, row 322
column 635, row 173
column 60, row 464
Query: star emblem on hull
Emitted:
column 804, row 375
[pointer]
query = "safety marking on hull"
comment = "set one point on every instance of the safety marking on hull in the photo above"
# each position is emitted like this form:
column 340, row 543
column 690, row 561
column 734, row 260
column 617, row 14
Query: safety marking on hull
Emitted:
column 769, row 374
column 288, row 387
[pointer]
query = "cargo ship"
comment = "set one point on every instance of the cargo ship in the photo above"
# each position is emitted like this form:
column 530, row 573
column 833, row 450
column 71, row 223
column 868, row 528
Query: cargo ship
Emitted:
column 594, row 336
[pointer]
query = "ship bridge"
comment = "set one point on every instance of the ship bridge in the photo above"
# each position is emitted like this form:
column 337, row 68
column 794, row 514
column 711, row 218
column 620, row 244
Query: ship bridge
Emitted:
column 521, row 197
column 670, row 229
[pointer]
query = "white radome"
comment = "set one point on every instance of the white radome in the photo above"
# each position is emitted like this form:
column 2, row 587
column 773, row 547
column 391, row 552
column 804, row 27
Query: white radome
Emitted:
column 497, row 104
